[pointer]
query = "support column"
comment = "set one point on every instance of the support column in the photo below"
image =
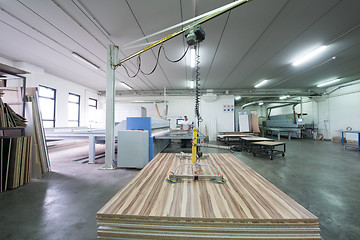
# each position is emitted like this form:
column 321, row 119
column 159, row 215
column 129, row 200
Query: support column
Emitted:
column 112, row 59
column 92, row 148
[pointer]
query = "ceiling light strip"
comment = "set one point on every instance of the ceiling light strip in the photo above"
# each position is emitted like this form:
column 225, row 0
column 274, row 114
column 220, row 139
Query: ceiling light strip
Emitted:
column 284, row 97
column 81, row 58
column 126, row 86
column 261, row 83
column 328, row 82
column 309, row 56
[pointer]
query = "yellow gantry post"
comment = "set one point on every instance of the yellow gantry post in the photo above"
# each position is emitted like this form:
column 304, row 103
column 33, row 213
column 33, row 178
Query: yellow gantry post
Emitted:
column 194, row 142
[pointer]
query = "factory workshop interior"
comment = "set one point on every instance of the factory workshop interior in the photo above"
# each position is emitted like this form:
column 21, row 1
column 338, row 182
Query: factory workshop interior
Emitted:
column 181, row 119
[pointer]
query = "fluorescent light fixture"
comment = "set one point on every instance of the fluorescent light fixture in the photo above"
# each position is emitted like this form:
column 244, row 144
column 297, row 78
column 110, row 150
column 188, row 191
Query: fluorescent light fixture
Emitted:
column 77, row 56
column 328, row 82
column 191, row 84
column 261, row 103
column 237, row 98
column 284, row 97
column 309, row 56
column 192, row 57
column 8, row 77
column 261, row 83
column 126, row 86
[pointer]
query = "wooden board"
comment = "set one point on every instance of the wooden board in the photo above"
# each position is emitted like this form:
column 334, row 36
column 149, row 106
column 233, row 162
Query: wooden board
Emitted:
column 255, row 123
column 247, row 206
column 268, row 143
column 15, row 159
column 256, row 139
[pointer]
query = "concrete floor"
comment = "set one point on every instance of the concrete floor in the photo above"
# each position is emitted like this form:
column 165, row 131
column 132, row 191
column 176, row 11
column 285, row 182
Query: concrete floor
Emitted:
column 321, row 176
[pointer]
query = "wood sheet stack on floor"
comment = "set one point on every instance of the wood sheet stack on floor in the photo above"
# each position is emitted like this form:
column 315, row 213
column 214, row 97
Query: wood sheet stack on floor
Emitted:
column 246, row 207
column 40, row 158
column 15, row 165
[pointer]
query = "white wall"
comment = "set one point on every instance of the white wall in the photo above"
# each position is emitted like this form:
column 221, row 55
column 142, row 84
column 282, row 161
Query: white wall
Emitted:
column 63, row 88
column 340, row 110
column 331, row 112
column 212, row 112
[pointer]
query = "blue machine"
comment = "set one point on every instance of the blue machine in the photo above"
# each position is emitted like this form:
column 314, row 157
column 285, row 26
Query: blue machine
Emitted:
column 141, row 123
column 155, row 127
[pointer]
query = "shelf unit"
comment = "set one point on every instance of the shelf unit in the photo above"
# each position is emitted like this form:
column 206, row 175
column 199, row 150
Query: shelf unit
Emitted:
column 15, row 150
column 8, row 73
column 354, row 145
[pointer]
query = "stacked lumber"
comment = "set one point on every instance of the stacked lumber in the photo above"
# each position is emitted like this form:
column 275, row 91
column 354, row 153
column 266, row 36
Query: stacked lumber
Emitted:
column 246, row 207
column 9, row 118
column 15, row 165
column 40, row 159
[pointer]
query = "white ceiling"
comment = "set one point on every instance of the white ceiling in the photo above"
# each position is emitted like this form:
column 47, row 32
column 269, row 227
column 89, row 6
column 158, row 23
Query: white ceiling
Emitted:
column 258, row 40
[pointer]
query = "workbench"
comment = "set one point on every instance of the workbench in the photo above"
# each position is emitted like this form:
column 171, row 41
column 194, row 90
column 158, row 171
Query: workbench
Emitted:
column 268, row 148
column 246, row 142
column 227, row 138
column 350, row 145
column 93, row 136
column 247, row 206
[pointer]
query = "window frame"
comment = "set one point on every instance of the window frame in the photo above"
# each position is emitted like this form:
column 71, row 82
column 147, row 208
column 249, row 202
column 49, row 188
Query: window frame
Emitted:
column 78, row 103
column 92, row 107
column 54, row 99
column 96, row 103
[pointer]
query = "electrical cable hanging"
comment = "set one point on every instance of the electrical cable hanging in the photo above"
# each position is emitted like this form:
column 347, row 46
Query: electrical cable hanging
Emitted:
column 197, row 83
column 175, row 61
column 138, row 70
column 156, row 64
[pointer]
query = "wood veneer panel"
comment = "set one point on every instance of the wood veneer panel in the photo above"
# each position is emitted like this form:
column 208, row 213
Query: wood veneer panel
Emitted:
column 245, row 195
column 246, row 207
column 268, row 143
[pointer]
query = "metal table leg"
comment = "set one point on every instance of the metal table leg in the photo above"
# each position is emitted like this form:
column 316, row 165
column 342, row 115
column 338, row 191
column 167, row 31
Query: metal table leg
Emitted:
column 91, row 149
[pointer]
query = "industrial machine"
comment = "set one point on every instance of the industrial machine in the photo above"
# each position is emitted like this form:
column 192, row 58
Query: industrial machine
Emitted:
column 139, row 143
column 285, row 124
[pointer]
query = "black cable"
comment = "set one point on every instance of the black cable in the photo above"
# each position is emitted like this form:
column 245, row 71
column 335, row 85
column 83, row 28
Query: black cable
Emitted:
column 175, row 61
column 197, row 83
column 157, row 63
column 138, row 70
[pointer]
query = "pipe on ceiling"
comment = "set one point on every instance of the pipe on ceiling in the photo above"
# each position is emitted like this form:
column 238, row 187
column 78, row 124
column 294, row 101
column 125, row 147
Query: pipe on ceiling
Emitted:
column 284, row 103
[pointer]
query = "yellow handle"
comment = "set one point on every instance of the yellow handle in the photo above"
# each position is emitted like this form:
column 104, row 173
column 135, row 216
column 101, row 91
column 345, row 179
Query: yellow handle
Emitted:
column 193, row 156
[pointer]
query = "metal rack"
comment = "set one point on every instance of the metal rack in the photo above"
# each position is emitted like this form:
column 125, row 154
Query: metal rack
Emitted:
column 14, row 74
column 350, row 145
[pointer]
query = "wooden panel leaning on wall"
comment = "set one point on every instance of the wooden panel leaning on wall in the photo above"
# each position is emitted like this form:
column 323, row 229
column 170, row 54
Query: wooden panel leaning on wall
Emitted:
column 15, row 164
column 246, row 207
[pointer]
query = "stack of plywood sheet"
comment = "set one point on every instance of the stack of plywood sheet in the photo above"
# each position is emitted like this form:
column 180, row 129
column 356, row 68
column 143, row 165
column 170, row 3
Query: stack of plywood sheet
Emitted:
column 246, row 207
column 15, row 165
column 40, row 158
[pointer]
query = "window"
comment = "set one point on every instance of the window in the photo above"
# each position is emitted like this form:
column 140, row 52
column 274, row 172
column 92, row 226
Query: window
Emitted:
column 74, row 110
column 47, row 98
column 92, row 110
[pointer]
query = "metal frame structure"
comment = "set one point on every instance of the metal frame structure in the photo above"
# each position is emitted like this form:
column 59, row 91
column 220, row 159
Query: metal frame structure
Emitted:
column 113, row 62
column 8, row 71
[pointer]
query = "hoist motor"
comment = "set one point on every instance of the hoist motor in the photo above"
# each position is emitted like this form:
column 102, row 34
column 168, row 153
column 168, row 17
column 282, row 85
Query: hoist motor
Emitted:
column 194, row 35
